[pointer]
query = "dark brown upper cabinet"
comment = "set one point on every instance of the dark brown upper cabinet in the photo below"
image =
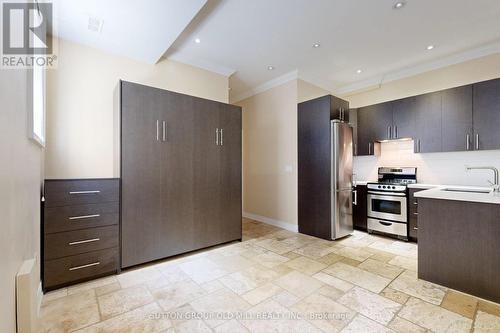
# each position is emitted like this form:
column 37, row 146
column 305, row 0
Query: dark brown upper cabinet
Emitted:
column 372, row 122
column 404, row 120
column 428, row 120
column 486, row 115
column 457, row 119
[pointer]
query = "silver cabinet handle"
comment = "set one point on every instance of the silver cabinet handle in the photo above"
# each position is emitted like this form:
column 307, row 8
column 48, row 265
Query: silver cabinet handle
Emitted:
column 415, row 228
column 389, row 132
column 418, row 145
column 467, row 142
column 396, row 132
column 355, row 202
column 217, row 136
column 84, row 241
column 477, row 141
column 84, row 266
column 369, row 148
column 355, row 149
column 164, row 130
column 84, row 192
column 415, row 213
column 157, row 130
column 83, row 217
column 222, row 137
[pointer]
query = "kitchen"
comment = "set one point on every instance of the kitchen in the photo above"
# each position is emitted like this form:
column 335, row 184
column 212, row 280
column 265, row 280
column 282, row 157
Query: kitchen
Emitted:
column 263, row 166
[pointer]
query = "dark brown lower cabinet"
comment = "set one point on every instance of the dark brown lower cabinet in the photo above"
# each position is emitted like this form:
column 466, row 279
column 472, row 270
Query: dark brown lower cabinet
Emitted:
column 181, row 173
column 359, row 207
column 458, row 246
column 413, row 214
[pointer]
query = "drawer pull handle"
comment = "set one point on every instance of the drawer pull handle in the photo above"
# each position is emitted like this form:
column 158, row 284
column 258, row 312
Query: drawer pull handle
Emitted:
column 415, row 228
column 84, row 192
column 415, row 203
column 84, row 266
column 385, row 223
column 415, row 213
column 83, row 217
column 85, row 241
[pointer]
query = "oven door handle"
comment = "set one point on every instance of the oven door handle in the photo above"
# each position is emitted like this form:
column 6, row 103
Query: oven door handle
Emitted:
column 388, row 193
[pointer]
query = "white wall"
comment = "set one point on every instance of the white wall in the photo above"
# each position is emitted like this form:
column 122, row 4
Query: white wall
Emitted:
column 80, row 119
column 435, row 168
column 20, row 184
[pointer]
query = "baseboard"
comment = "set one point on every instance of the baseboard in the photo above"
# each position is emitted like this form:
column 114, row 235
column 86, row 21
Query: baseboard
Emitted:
column 268, row 220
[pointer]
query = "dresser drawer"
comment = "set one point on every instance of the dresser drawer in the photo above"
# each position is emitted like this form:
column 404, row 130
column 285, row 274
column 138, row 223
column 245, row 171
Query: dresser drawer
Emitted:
column 70, row 243
column 80, row 192
column 67, row 218
column 83, row 266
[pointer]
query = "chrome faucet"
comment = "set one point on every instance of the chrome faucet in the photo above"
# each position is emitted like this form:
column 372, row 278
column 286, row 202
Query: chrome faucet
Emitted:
column 496, row 184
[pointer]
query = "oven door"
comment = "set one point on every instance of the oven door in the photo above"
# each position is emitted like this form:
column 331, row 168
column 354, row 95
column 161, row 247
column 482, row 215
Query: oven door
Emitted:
column 387, row 206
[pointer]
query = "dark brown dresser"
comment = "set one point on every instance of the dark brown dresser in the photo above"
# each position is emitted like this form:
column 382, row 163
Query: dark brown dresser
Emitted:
column 80, row 230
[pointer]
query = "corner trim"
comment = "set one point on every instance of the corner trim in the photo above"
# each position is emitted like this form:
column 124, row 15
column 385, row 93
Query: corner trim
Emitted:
column 293, row 75
column 270, row 221
column 425, row 67
column 39, row 298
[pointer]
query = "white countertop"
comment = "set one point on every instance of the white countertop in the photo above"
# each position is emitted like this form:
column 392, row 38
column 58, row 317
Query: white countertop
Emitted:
column 438, row 193
column 422, row 185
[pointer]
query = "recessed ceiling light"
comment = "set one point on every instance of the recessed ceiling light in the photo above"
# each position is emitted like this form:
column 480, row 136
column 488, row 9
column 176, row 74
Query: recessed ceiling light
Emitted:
column 270, row 68
column 359, row 71
column 399, row 5
column 316, row 45
column 197, row 41
column 430, row 47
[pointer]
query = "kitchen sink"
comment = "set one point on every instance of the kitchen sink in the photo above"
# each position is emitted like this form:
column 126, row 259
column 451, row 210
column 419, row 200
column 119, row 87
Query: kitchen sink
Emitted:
column 467, row 190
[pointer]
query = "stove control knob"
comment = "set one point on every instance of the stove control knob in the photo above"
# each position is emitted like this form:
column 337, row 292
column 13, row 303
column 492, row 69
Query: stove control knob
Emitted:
column 379, row 186
column 394, row 187
column 384, row 186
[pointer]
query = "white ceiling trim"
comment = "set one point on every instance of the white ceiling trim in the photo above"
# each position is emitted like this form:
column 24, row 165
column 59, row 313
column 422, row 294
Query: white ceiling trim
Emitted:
column 293, row 75
column 219, row 69
column 419, row 69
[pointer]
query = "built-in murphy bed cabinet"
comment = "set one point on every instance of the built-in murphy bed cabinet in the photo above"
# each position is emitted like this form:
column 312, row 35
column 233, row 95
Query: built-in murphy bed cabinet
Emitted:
column 180, row 172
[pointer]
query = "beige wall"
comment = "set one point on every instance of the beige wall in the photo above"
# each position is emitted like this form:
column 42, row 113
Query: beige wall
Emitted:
column 307, row 91
column 436, row 168
column 480, row 69
column 20, row 183
column 270, row 152
column 80, row 123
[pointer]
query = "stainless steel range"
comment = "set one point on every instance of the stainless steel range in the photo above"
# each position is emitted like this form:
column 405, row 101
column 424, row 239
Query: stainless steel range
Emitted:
column 388, row 201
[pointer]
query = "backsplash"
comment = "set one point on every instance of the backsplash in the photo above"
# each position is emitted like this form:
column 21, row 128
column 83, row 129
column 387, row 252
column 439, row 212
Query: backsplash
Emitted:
column 435, row 168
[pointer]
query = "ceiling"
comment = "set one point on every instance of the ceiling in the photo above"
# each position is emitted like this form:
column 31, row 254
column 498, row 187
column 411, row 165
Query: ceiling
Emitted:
column 141, row 30
column 241, row 38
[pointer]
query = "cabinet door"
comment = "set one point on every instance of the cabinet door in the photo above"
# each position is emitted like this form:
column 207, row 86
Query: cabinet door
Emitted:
column 364, row 144
column 230, row 174
column 403, row 114
column 140, row 173
column 177, row 136
column 382, row 121
column 206, row 173
column 486, row 115
column 428, row 135
column 457, row 119
column 360, row 206
column 339, row 109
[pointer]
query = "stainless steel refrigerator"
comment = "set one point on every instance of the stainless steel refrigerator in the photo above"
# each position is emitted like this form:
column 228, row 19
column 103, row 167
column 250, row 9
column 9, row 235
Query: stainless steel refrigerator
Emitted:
column 341, row 179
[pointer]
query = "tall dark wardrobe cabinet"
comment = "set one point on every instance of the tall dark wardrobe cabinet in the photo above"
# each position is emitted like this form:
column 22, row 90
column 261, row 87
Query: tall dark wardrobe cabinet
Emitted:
column 180, row 173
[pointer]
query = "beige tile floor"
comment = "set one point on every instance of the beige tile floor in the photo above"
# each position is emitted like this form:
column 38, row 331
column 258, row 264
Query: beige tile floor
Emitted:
column 273, row 281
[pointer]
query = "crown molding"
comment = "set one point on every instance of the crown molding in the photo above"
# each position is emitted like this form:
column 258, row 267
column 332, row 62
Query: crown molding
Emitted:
column 419, row 69
column 293, row 75
column 206, row 65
